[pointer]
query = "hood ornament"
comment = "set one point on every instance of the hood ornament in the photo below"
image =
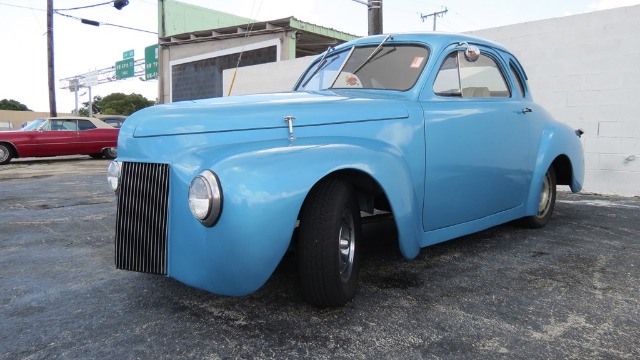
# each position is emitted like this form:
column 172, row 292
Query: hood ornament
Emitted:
column 289, row 120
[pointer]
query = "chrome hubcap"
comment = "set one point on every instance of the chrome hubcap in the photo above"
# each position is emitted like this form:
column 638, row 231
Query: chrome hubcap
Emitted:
column 545, row 196
column 3, row 153
column 347, row 245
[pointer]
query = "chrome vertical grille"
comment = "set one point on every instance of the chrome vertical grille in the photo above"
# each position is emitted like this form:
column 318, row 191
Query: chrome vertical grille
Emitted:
column 141, row 221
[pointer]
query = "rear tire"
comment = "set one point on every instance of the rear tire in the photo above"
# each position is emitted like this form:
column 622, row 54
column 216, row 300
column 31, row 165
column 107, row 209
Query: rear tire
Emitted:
column 6, row 154
column 329, row 241
column 546, row 203
column 110, row 153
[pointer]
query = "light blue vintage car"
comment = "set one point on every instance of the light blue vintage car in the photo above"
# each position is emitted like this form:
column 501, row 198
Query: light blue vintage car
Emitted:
column 440, row 130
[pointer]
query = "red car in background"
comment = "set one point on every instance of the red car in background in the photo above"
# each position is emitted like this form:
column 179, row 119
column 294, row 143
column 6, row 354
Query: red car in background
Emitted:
column 67, row 135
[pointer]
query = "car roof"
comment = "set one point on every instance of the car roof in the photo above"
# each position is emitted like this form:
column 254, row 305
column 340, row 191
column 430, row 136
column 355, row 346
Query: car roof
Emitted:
column 120, row 117
column 436, row 40
column 97, row 122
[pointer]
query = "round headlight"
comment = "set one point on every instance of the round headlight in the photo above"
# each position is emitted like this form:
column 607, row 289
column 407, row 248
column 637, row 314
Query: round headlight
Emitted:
column 113, row 176
column 205, row 198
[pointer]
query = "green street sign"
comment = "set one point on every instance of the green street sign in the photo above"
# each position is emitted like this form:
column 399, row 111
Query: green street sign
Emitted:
column 125, row 68
column 151, row 62
column 127, row 54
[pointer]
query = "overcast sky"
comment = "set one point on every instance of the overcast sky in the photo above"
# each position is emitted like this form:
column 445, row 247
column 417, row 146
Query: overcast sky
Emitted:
column 81, row 48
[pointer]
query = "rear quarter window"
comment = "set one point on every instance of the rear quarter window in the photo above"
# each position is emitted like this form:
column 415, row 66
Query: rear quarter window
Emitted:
column 85, row 125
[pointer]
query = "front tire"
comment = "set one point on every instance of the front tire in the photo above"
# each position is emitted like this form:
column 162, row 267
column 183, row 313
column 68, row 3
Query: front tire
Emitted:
column 546, row 202
column 6, row 154
column 329, row 240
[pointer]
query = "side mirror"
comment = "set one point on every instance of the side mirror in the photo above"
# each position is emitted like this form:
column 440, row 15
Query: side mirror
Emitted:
column 472, row 53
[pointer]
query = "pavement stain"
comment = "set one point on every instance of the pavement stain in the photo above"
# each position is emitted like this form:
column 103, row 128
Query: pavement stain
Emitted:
column 539, row 253
column 398, row 280
column 27, row 311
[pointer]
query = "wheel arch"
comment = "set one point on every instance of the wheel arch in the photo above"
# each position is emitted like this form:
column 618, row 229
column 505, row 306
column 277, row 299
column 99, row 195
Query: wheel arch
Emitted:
column 372, row 195
column 14, row 150
column 366, row 187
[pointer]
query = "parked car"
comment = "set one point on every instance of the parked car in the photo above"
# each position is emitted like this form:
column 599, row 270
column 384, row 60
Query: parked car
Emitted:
column 439, row 130
column 113, row 120
column 65, row 135
column 6, row 125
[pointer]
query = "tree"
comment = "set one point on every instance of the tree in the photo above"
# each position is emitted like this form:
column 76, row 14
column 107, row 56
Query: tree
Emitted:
column 10, row 104
column 95, row 107
column 116, row 104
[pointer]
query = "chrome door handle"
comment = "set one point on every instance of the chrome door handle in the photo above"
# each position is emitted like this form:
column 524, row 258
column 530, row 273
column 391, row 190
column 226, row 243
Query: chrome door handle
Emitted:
column 526, row 110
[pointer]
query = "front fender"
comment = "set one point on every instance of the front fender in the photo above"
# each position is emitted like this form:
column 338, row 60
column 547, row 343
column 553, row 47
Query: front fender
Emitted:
column 297, row 167
column 264, row 186
column 556, row 141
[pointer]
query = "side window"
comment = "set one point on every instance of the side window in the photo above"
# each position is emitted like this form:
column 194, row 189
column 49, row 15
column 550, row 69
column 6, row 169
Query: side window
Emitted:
column 516, row 76
column 85, row 125
column 482, row 78
column 448, row 80
column 69, row 125
column 479, row 79
column 57, row 125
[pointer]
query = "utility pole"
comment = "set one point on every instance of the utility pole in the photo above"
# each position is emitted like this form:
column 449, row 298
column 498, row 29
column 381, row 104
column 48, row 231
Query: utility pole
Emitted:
column 435, row 16
column 375, row 15
column 52, row 89
column 163, row 31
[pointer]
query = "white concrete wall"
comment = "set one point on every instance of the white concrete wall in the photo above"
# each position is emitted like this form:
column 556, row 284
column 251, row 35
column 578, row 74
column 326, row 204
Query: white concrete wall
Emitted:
column 584, row 69
column 265, row 78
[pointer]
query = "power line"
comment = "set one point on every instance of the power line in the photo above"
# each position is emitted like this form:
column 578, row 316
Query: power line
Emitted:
column 466, row 19
column 149, row 3
column 84, row 7
column 23, row 7
column 98, row 23
column 249, row 29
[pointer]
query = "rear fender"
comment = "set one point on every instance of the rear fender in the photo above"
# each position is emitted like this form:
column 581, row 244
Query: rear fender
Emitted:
column 553, row 144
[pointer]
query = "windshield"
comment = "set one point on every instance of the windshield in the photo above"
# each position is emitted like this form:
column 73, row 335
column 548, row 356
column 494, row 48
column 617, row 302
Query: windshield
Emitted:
column 393, row 67
column 34, row 125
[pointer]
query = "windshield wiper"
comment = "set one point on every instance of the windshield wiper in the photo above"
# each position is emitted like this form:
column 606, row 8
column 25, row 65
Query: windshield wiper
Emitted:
column 372, row 55
column 320, row 63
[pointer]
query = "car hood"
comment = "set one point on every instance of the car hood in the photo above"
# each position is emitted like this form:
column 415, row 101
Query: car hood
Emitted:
column 12, row 135
column 265, row 111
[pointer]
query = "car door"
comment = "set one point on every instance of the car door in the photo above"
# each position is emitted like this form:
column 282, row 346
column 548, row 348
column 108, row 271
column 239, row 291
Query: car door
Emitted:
column 90, row 137
column 476, row 142
column 94, row 139
column 58, row 137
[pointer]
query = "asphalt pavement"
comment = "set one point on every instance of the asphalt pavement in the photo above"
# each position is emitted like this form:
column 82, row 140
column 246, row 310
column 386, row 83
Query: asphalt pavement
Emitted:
column 567, row 291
